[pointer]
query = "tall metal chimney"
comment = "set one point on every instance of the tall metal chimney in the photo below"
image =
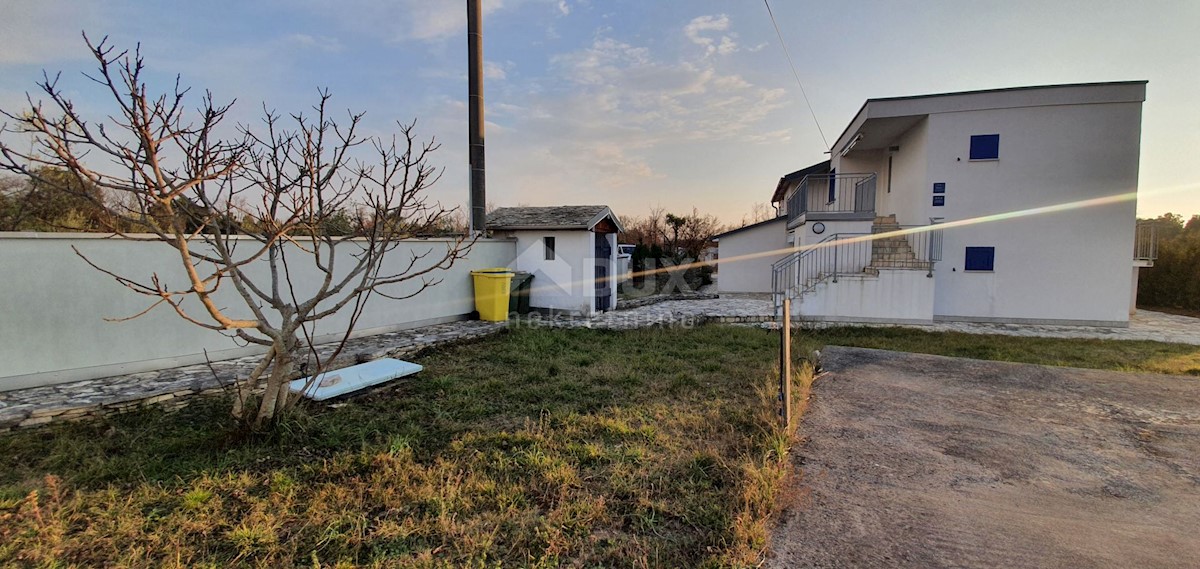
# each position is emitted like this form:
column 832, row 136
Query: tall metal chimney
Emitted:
column 475, row 103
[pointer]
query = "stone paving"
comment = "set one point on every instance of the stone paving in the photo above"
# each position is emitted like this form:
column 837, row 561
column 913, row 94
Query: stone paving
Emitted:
column 677, row 312
column 1145, row 325
column 172, row 387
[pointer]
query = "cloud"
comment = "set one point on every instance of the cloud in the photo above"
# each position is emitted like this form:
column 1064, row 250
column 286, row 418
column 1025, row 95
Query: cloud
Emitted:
column 618, row 109
column 41, row 31
column 322, row 43
column 497, row 71
column 698, row 30
column 771, row 137
column 422, row 20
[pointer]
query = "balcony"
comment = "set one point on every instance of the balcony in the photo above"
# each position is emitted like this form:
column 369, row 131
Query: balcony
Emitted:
column 1145, row 244
column 832, row 197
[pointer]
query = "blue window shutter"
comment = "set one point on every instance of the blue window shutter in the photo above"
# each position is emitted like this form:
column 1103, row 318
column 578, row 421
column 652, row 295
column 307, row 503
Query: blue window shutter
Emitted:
column 980, row 259
column 985, row 147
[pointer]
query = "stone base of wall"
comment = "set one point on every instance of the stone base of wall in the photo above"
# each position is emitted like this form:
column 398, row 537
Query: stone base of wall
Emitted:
column 176, row 388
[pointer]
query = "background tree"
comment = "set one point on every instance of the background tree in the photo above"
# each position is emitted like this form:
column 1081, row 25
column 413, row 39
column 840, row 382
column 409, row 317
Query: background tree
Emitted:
column 758, row 212
column 675, row 222
column 301, row 191
column 663, row 240
column 697, row 233
column 37, row 204
column 1174, row 280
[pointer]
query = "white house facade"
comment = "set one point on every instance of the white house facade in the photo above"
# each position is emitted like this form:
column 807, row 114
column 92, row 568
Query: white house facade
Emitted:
column 571, row 251
column 1006, row 205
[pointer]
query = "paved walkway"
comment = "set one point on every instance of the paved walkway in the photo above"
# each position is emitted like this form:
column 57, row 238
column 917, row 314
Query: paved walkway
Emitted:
column 1145, row 325
column 171, row 387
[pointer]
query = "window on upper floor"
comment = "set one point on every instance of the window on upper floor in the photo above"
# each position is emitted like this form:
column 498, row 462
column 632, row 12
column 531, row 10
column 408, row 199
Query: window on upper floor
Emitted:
column 985, row 147
column 980, row 259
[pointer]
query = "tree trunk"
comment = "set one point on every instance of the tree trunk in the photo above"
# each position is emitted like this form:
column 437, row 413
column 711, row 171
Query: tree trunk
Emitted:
column 246, row 389
column 275, row 398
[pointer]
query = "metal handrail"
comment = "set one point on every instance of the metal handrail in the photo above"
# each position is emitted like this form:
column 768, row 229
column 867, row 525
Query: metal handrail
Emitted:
column 1145, row 243
column 801, row 271
column 833, row 193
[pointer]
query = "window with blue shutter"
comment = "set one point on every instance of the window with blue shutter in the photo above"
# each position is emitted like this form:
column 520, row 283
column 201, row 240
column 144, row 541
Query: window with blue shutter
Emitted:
column 980, row 259
column 985, row 147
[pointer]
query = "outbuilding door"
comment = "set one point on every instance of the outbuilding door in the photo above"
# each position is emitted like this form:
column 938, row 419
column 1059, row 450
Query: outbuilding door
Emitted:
column 603, row 270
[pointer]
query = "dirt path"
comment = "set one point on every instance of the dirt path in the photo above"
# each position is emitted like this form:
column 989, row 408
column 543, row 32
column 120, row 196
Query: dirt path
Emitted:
column 926, row 461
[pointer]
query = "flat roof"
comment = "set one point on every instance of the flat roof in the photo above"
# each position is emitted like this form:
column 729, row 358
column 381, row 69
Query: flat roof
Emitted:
column 751, row 226
column 1008, row 89
column 1034, row 95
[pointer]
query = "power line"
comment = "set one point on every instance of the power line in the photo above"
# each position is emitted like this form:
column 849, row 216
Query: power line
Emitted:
column 795, row 74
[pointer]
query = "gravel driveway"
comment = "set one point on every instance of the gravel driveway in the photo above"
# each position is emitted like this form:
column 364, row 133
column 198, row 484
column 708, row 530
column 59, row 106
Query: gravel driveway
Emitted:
column 926, row 461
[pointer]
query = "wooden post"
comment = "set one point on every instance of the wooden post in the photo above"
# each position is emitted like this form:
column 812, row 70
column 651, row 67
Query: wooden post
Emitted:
column 785, row 365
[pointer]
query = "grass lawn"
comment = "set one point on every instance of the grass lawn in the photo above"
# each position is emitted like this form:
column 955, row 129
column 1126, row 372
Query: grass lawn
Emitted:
column 1120, row 355
column 531, row 448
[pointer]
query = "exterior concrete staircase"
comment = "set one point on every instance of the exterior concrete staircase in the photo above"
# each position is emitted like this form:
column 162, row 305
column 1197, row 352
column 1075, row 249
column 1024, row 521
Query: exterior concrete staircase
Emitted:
column 893, row 252
column 880, row 276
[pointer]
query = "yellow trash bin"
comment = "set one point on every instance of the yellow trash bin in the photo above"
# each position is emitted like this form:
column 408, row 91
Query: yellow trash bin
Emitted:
column 492, row 287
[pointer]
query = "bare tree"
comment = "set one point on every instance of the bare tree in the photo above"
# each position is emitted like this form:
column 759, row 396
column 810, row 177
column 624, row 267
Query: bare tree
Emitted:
column 696, row 233
column 302, row 191
column 760, row 211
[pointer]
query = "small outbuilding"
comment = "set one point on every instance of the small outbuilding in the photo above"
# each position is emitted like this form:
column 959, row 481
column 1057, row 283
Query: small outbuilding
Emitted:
column 571, row 252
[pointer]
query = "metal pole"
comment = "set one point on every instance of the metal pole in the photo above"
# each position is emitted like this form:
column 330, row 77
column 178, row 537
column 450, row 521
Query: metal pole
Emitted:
column 785, row 365
column 835, row 258
column 478, row 203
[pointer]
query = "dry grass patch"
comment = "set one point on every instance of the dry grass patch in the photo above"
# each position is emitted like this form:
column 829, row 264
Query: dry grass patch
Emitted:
column 1118, row 355
column 534, row 448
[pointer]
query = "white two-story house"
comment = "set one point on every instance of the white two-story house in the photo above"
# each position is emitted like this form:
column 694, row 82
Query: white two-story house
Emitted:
column 1005, row 205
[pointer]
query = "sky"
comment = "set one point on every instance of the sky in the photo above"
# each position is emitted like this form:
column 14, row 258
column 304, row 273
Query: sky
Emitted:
column 639, row 104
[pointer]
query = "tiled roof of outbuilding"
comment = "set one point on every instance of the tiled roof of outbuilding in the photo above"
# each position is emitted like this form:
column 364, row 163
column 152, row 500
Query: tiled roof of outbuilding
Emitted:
column 552, row 217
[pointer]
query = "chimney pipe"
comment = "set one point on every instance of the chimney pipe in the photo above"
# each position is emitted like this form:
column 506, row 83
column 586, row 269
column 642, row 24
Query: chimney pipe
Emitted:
column 478, row 203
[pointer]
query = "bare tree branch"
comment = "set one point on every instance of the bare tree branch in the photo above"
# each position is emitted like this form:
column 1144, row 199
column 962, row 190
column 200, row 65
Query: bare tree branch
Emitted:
column 295, row 194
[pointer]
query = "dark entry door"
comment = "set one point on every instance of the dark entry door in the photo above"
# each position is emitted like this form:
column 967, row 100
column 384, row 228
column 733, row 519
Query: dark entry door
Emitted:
column 603, row 270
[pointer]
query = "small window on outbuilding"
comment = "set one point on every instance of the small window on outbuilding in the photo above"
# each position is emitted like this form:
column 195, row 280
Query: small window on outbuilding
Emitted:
column 985, row 147
column 980, row 259
column 549, row 244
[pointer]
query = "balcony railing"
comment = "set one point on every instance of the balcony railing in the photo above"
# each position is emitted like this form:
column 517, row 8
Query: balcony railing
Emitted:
column 833, row 194
column 1145, row 244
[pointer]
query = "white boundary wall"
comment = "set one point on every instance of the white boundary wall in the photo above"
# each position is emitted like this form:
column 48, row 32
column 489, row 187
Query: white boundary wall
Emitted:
column 53, row 305
column 740, row 268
